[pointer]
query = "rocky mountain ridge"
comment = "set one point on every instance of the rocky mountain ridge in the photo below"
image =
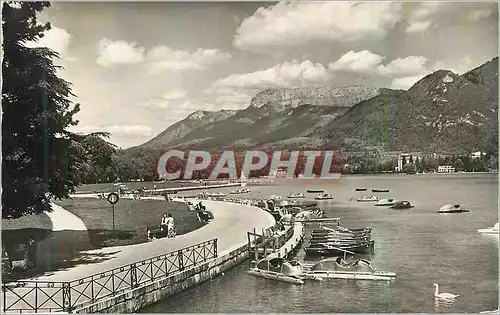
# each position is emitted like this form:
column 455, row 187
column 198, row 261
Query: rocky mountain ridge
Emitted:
column 441, row 112
column 182, row 128
column 344, row 96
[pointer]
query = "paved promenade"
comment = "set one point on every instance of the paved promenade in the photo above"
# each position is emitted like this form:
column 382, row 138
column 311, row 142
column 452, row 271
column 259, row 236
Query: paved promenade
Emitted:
column 230, row 224
column 63, row 220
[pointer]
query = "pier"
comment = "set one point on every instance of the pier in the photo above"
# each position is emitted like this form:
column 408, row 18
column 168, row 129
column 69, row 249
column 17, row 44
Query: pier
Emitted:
column 270, row 245
column 178, row 189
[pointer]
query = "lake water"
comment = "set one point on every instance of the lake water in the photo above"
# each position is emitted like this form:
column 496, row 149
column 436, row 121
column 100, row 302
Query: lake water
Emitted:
column 420, row 245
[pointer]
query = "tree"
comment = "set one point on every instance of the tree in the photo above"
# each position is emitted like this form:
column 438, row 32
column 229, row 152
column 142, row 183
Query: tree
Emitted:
column 99, row 153
column 459, row 165
column 40, row 159
column 421, row 165
column 409, row 168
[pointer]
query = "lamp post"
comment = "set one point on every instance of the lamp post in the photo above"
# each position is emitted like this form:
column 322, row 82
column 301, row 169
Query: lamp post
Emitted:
column 113, row 199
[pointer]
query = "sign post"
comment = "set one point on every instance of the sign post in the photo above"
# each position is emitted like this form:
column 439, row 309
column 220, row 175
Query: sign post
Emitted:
column 112, row 199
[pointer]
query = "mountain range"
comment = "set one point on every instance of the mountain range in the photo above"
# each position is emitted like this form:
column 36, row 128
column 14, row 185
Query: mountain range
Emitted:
column 443, row 112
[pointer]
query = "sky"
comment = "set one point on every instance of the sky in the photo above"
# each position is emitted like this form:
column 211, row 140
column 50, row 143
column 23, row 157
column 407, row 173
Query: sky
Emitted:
column 137, row 68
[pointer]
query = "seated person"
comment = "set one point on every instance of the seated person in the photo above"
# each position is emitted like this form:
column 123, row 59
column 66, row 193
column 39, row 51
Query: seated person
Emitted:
column 164, row 222
column 170, row 222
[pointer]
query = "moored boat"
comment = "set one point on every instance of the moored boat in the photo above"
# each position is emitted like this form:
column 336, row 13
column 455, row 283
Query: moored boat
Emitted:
column 330, row 249
column 380, row 190
column 386, row 202
column 490, row 231
column 323, row 196
column 401, row 205
column 240, row 191
column 344, row 231
column 216, row 194
column 361, row 189
column 315, row 190
column 367, row 198
column 338, row 268
column 456, row 208
column 275, row 197
column 341, row 230
column 278, row 269
column 296, row 195
column 489, row 312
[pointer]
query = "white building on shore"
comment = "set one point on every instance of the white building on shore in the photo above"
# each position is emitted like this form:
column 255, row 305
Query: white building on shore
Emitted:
column 401, row 163
column 477, row 155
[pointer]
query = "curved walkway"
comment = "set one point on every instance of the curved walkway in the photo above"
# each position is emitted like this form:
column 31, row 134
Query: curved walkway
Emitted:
column 230, row 224
column 63, row 220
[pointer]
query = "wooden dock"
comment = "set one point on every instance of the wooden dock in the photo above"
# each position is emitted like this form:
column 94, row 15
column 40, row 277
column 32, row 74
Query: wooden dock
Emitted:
column 292, row 243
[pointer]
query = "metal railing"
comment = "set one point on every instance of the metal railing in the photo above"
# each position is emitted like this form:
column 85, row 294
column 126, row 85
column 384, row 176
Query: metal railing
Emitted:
column 57, row 296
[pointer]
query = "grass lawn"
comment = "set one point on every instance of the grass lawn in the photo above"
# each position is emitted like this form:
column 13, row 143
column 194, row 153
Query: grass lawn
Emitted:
column 132, row 218
column 34, row 221
column 62, row 249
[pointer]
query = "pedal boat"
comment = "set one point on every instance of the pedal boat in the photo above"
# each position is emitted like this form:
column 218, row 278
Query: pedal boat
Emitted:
column 367, row 198
column 399, row 205
column 452, row 209
column 296, row 195
column 338, row 268
column 386, row 202
column 490, row 231
column 278, row 269
column 324, row 196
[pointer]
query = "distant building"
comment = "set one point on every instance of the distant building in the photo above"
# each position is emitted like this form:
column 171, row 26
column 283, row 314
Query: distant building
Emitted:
column 477, row 155
column 401, row 163
column 446, row 169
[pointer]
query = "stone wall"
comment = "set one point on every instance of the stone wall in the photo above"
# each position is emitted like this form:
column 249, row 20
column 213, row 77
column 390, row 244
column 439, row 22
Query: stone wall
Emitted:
column 150, row 293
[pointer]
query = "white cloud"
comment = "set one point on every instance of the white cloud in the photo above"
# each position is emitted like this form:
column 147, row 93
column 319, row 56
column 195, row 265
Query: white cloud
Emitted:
column 420, row 19
column 118, row 52
column 56, row 39
column 228, row 98
column 166, row 99
column 458, row 66
column 288, row 74
column 156, row 104
column 479, row 15
column 405, row 71
column 405, row 83
column 404, row 67
column 118, row 130
column 295, row 23
column 159, row 58
column 164, row 58
column 362, row 61
column 418, row 27
column 174, row 95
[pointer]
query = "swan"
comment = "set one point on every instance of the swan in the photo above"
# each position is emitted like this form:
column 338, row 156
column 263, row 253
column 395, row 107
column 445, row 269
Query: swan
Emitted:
column 446, row 296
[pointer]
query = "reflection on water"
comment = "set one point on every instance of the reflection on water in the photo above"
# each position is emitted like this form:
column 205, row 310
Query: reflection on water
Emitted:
column 443, row 306
column 419, row 245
